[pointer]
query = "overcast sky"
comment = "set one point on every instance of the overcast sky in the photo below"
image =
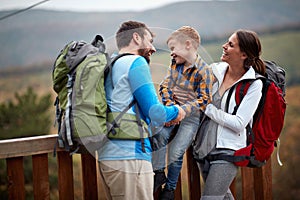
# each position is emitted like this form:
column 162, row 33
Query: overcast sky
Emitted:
column 87, row 5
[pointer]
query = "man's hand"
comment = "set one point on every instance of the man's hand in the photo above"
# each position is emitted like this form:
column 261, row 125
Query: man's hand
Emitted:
column 180, row 116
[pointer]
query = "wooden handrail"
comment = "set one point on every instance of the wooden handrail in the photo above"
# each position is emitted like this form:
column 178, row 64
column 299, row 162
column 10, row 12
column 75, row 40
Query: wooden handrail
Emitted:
column 27, row 146
column 256, row 183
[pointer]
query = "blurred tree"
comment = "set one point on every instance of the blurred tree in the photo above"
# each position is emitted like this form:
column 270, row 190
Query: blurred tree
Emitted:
column 25, row 116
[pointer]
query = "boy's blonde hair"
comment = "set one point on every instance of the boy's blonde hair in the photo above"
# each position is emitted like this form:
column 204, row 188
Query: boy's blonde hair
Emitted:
column 186, row 33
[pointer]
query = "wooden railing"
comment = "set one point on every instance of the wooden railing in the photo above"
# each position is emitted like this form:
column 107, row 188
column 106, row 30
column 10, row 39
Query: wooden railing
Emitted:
column 255, row 183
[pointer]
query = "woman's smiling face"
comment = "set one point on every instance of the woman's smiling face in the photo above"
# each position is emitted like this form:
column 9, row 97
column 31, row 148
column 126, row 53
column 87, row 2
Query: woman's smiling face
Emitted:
column 232, row 51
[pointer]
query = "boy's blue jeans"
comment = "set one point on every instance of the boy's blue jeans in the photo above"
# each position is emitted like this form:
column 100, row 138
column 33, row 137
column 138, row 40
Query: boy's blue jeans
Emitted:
column 176, row 148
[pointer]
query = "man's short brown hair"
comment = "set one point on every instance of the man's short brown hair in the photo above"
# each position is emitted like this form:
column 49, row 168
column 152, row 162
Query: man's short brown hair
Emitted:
column 186, row 33
column 126, row 30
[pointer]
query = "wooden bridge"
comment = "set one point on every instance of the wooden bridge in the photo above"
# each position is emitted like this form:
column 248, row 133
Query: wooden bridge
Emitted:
column 254, row 184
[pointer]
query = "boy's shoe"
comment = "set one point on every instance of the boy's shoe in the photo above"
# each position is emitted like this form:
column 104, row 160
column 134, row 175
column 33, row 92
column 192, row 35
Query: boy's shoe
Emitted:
column 167, row 195
column 159, row 179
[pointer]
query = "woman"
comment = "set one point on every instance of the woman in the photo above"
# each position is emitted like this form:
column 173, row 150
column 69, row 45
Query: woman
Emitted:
column 241, row 60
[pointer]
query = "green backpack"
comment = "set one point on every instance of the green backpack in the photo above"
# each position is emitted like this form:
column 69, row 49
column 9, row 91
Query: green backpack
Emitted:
column 83, row 118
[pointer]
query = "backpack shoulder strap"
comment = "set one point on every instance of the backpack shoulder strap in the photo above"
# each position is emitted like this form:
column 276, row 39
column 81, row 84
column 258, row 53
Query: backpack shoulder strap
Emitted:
column 241, row 89
column 111, row 63
column 119, row 56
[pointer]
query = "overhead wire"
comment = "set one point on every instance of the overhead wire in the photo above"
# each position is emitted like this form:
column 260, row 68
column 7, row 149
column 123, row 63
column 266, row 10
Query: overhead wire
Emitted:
column 22, row 10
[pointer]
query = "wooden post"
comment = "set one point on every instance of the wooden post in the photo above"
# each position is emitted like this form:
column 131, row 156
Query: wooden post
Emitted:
column 247, row 183
column 89, row 176
column 65, row 176
column 263, row 182
column 194, row 187
column 178, row 190
column 41, row 189
column 232, row 188
column 15, row 178
column 157, row 193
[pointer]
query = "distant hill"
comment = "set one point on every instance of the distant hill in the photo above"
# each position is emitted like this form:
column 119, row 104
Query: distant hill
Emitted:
column 36, row 36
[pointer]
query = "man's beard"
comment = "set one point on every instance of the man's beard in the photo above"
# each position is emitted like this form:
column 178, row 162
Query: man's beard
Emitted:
column 144, row 53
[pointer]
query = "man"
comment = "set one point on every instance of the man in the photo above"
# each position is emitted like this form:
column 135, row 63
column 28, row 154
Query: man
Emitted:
column 125, row 164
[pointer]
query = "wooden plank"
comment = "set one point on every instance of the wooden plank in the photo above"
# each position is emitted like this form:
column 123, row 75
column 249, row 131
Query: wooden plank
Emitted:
column 41, row 189
column 193, row 176
column 247, row 183
column 65, row 176
column 89, row 178
column 263, row 182
column 15, row 177
column 27, row 146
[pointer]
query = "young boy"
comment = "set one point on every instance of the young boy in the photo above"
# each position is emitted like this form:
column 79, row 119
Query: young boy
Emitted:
column 188, row 84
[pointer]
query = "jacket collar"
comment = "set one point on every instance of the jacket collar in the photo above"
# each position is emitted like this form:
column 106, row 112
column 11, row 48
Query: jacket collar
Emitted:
column 219, row 70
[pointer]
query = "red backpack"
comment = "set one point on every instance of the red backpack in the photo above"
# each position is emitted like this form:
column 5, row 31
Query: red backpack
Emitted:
column 268, row 119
